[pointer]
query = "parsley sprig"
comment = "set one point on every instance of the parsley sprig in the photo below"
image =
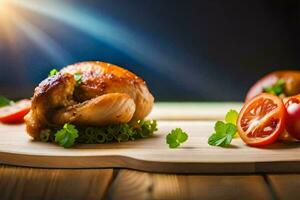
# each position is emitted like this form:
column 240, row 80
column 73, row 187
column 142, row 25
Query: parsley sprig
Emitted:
column 176, row 137
column 224, row 131
column 277, row 88
column 66, row 136
column 5, row 101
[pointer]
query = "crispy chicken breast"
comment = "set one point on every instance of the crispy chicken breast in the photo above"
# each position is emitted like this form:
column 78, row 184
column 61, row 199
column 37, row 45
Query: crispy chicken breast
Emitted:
column 107, row 94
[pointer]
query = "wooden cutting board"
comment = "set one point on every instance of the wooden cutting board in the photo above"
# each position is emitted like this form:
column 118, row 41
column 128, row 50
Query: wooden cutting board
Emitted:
column 152, row 154
column 192, row 111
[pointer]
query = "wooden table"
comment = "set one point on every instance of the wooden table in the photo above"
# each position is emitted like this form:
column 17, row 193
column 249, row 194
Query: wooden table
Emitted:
column 38, row 183
column 31, row 183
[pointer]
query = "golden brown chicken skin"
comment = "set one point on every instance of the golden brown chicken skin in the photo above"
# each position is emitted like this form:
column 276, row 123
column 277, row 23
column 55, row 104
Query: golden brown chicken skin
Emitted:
column 107, row 94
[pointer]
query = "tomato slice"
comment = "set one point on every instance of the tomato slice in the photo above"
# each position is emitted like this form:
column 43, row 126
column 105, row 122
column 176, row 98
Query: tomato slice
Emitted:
column 15, row 112
column 261, row 120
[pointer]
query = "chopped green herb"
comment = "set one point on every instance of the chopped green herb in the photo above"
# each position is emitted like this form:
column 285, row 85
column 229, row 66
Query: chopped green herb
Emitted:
column 146, row 128
column 45, row 135
column 78, row 78
column 176, row 137
column 5, row 101
column 224, row 132
column 53, row 72
column 69, row 135
column 66, row 136
column 277, row 88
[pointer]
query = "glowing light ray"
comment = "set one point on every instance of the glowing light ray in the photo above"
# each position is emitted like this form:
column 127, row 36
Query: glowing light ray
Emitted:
column 120, row 38
column 43, row 41
column 9, row 40
column 99, row 29
column 6, row 29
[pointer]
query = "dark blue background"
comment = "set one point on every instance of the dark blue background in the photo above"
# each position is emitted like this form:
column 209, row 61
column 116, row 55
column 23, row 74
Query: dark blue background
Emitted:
column 185, row 50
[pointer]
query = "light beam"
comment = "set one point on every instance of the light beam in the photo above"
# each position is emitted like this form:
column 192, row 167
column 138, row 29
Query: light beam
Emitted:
column 102, row 29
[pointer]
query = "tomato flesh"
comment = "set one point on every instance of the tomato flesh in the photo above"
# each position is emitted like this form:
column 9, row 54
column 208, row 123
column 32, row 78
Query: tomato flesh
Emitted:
column 293, row 117
column 15, row 113
column 261, row 120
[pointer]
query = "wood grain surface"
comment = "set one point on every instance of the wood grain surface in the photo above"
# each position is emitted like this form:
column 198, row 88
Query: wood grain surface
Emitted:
column 192, row 111
column 141, row 186
column 32, row 183
column 195, row 156
column 285, row 186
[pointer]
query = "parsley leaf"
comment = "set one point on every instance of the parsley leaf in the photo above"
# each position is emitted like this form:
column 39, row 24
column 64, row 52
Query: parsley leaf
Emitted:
column 231, row 117
column 66, row 136
column 78, row 78
column 277, row 88
column 224, row 132
column 5, row 101
column 220, row 126
column 176, row 137
column 53, row 72
column 217, row 139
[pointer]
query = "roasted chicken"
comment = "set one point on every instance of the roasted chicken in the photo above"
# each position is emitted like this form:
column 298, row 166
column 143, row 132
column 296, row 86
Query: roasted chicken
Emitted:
column 107, row 94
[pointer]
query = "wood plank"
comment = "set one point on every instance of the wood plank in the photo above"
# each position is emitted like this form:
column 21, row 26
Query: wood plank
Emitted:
column 139, row 185
column 32, row 183
column 152, row 154
column 285, row 186
column 192, row 110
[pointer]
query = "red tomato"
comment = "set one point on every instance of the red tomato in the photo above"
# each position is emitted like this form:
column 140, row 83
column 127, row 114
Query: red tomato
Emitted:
column 285, row 136
column 259, row 86
column 261, row 120
column 15, row 112
column 293, row 116
column 291, row 86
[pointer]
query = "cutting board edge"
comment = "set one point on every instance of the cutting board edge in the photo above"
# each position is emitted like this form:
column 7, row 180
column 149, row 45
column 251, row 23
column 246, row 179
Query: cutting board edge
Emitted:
column 148, row 166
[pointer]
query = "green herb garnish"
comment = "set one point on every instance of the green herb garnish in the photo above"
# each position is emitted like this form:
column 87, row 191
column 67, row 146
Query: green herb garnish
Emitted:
column 69, row 135
column 231, row 117
column 5, row 101
column 45, row 135
column 277, row 88
column 224, row 131
column 66, row 136
column 176, row 137
column 53, row 72
column 78, row 78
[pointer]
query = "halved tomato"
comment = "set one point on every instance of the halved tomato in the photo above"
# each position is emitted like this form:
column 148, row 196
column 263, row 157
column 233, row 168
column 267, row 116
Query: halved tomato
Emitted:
column 261, row 120
column 15, row 112
column 292, row 105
